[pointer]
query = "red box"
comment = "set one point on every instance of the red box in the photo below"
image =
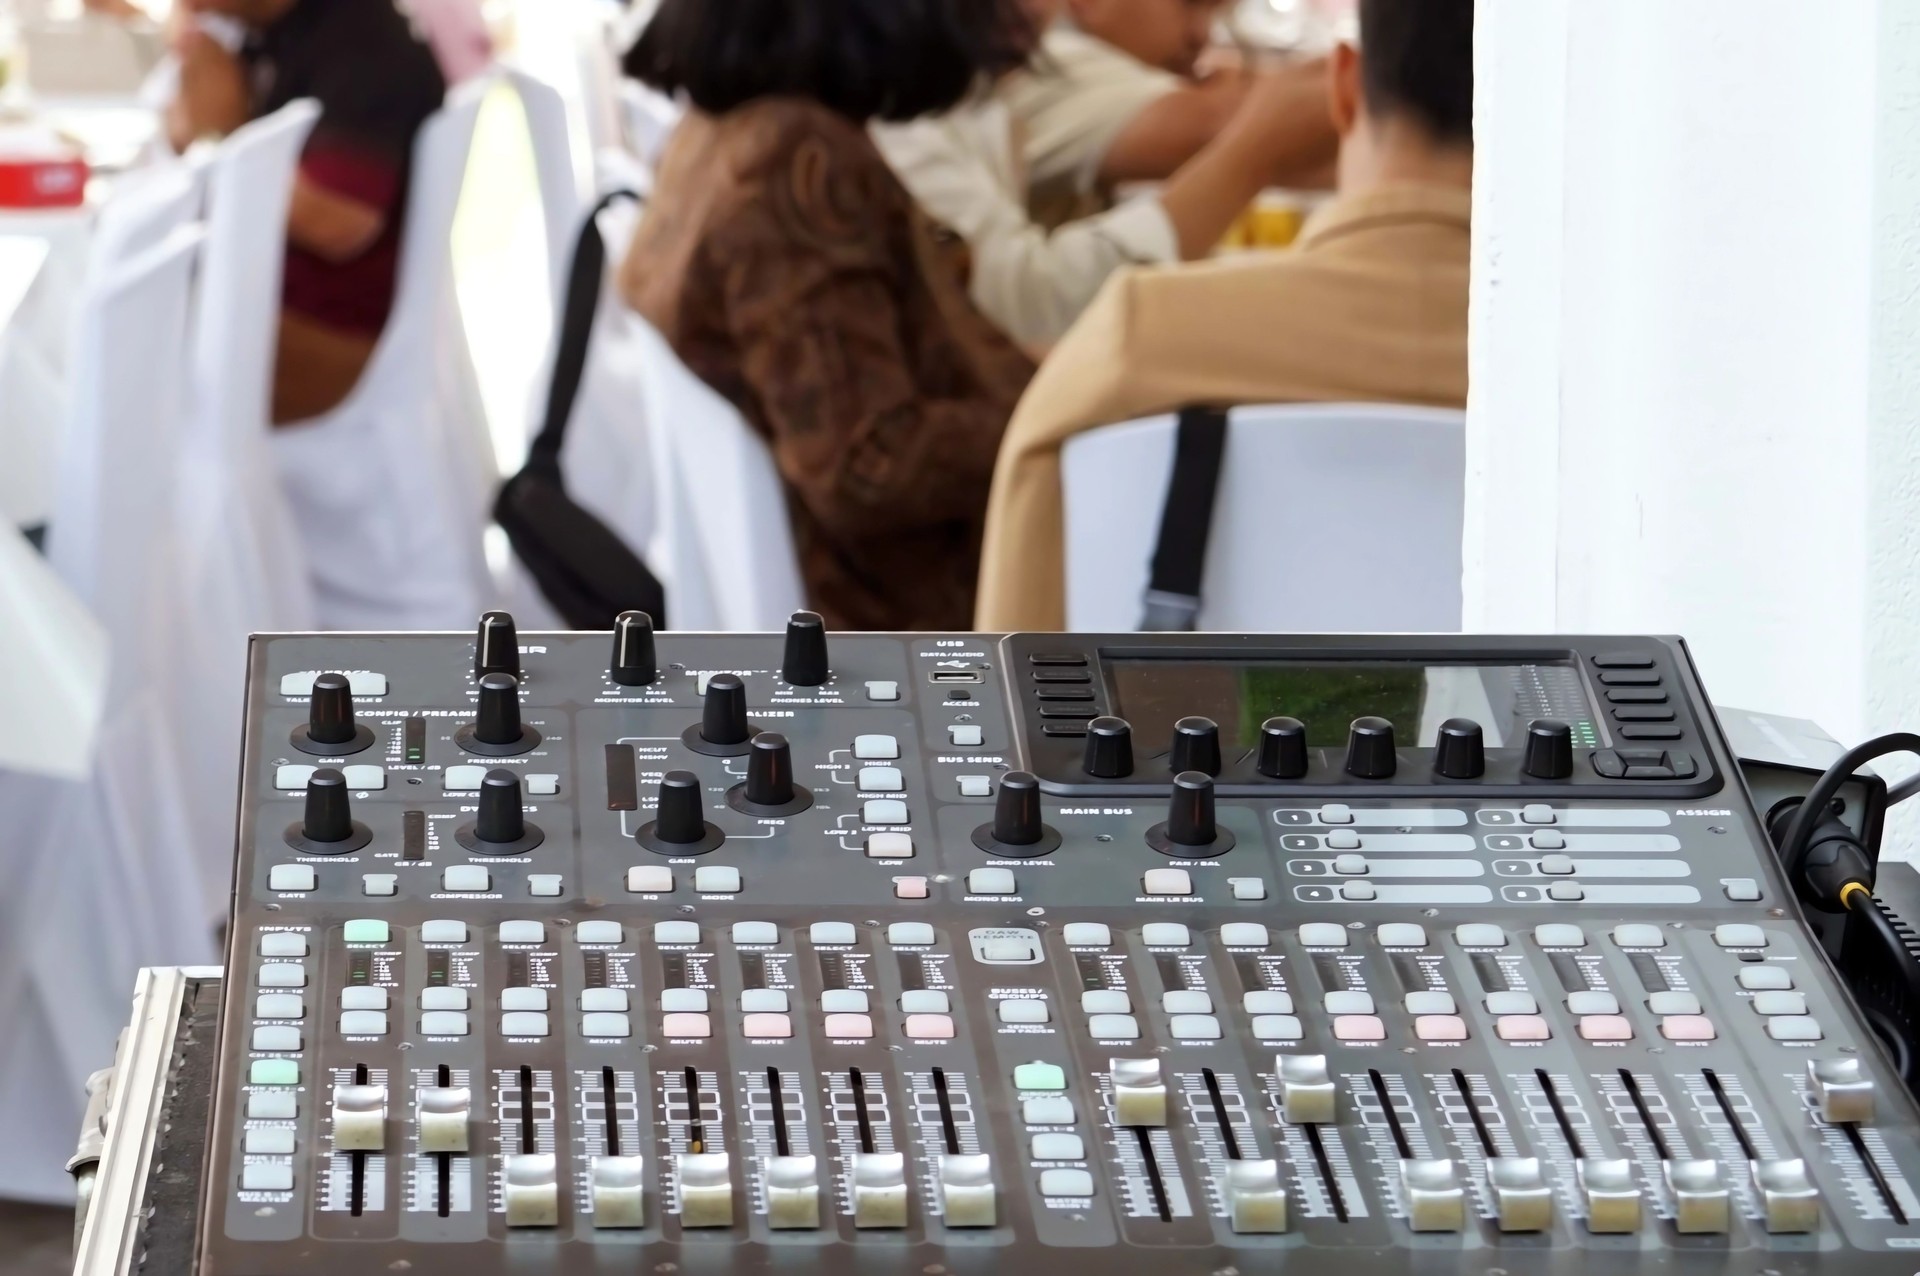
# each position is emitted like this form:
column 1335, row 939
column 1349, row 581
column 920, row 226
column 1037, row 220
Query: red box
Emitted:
column 42, row 182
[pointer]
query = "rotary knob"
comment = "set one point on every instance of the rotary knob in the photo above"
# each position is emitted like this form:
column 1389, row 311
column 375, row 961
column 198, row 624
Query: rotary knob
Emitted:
column 1283, row 749
column 679, row 825
column 331, row 730
column 496, row 730
column 1549, row 753
column 496, row 646
column 1109, row 753
column 1196, row 746
column 1191, row 829
column 804, row 663
column 769, row 789
column 327, row 826
column 1019, row 829
column 633, row 664
column 500, row 827
column 1370, row 749
column 723, row 730
column 1461, row 751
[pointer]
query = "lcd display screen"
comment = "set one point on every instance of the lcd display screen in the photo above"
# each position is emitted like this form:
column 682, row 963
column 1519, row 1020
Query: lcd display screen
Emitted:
column 1329, row 695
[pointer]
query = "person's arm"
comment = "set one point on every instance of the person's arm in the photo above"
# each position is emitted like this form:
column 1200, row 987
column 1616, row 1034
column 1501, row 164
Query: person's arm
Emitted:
column 213, row 98
column 332, row 226
column 1171, row 129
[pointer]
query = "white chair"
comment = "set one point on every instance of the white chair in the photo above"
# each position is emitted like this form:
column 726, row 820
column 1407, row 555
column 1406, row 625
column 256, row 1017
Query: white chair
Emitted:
column 648, row 118
column 552, row 140
column 56, row 655
column 1330, row 517
column 723, row 548
column 392, row 490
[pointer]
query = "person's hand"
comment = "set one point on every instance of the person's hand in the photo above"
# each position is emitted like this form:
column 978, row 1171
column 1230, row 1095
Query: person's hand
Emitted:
column 213, row 98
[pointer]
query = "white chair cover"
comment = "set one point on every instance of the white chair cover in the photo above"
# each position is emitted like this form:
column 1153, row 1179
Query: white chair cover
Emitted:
column 1330, row 517
column 553, row 163
column 392, row 490
column 55, row 656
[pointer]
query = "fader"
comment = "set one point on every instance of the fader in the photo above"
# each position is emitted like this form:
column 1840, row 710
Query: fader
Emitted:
column 978, row 954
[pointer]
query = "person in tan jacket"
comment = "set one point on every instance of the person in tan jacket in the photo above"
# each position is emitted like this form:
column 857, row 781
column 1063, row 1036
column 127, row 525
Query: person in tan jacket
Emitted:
column 1370, row 306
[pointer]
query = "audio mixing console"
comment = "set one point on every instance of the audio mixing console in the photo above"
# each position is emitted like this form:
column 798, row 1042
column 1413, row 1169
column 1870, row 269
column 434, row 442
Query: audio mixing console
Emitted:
column 980, row 954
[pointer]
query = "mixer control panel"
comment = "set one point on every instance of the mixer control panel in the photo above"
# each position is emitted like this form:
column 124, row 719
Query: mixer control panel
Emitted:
column 980, row 954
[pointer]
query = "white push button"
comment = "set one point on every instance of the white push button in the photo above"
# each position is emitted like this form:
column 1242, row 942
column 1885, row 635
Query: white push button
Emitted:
column 1047, row 1110
column 524, row 999
column 1674, row 1002
column 1343, row 840
column 909, row 933
column 881, row 779
column 599, row 931
column 1106, row 1001
column 650, row 879
column 889, row 846
column 755, row 934
column 1559, row 935
column 523, row 932
column 442, row 998
column 604, row 1000
column 271, row 1142
column 1350, row 865
column 365, row 776
column 1512, row 1003
column 876, row 748
column 1556, row 865
column 675, row 1001
column 1245, row 935
column 1536, row 813
column 276, row 1038
column 1270, row 1002
column 280, row 1005
column 364, row 997
column 443, row 1023
column 831, row 933
column 1165, row 935
column 763, row 1001
column 1066, row 1183
column 1057, row 1146
column 845, row 1001
column 1087, row 935
column 605, row 1024
column 363, row 1023
column 1323, row 935
column 283, row 943
column 975, row 786
column 1022, row 1011
column 1479, row 935
column 1401, row 935
column 542, row 785
column 884, row 811
column 1765, row 979
column 966, row 737
column 379, row 885
column 883, row 692
column 266, row 1176
column 1114, row 1027
column 1349, row 1003
column 670, row 933
column 1794, row 1028
column 1186, row 1001
column 990, row 881
column 292, row 877
column 283, row 974
column 272, row 1105
column 293, row 776
column 1593, row 1002
column 1194, row 1027
column 523, row 1023
column 544, row 885
column 443, row 932
column 1336, row 813
column 1248, row 888
column 717, row 879
column 466, row 879
column 1639, row 935
column 463, row 779
column 926, row 1001
column 1431, row 1003
column 1739, row 936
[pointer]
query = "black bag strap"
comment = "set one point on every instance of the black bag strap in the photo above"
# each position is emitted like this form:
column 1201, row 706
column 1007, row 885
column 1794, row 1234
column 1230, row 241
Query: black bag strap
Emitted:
column 584, row 282
column 1172, row 601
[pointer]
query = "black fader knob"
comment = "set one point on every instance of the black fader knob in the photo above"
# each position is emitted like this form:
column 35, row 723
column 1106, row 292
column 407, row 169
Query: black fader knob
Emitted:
column 1196, row 746
column 723, row 730
column 634, row 663
column 500, row 827
column 1370, row 749
column 331, row 731
column 1019, row 829
column 1283, row 749
column 1549, row 750
column 327, row 826
column 804, row 663
column 769, row 788
column 496, row 730
column 1461, row 751
column 1191, row 829
column 679, row 825
column 496, row 646
column 1109, row 749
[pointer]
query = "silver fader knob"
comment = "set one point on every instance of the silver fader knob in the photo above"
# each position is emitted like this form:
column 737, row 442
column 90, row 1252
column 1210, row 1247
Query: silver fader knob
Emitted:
column 880, row 1190
column 706, row 1189
column 1789, row 1202
column 1256, row 1203
column 618, row 1185
column 1522, row 1201
column 1611, row 1193
column 1139, row 1092
column 966, row 1191
column 1436, row 1200
column 359, row 1118
column 1306, row 1089
column 793, row 1193
column 445, row 1112
column 1843, row 1089
column 1701, row 1201
column 530, row 1186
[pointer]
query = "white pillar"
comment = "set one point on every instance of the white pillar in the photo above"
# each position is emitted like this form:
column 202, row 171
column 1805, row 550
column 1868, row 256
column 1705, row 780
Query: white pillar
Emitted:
column 1696, row 342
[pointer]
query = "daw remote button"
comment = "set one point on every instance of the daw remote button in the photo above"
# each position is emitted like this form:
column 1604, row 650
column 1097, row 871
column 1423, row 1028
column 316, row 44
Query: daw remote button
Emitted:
column 1559, row 935
column 293, row 776
column 881, row 779
column 1738, row 935
column 1742, row 890
column 1764, row 979
column 884, row 811
column 1794, row 1028
column 292, row 878
column 274, row 1072
column 1166, row 935
column 1066, row 1183
column 926, row 1001
column 604, row 1000
column 676, row 1001
column 277, row 1038
column 911, row 888
column 1106, row 1001
column 1114, row 1027
column 767, row 1026
column 1521, row 1028
column 1536, row 813
column 1780, row 1003
column 523, row 932
column 1348, row 1003
column 883, row 692
column 1674, row 1003
column 755, row 934
column 991, row 881
column 444, row 998
column 463, row 779
column 650, row 879
column 1336, row 813
column 1593, row 1003
column 1606, row 1028
column 1639, row 935
column 889, row 846
column 907, row 934
column 1440, row 1028
column 366, row 930
column 849, row 1027
column 716, row 879
column 545, row 885
column 283, row 943
column 466, row 879
column 1343, row 840
column 443, row 932
column 524, row 999
column 845, row 1001
column 1040, row 1076
column 363, row 1023
column 930, row 1027
column 675, row 933
column 1401, row 935
column 1277, row 1028
column 1058, row 1147
column 1431, row 1003
column 1267, row 1003
column 523, row 1023
column 1194, row 1027
column 1245, row 935
column 379, row 885
column 831, row 933
column 605, row 1024
column 686, row 1026
column 1248, row 888
column 764, row 1001
column 1323, row 935
column 270, row 1142
column 966, row 737
column 1186, row 1002
column 364, row 997
column 1051, row 1110
column 1359, row 1028
column 876, row 748
column 266, row 1176
column 1687, row 1028
column 1479, row 935
column 1087, row 935
column 1021, row 1010
column 280, row 1005
column 1167, row 881
column 283, row 974
column 1512, row 1003
column 599, row 931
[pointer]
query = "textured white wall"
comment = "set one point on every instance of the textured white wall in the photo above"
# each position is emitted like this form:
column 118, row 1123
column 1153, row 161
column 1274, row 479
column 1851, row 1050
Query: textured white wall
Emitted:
column 1696, row 353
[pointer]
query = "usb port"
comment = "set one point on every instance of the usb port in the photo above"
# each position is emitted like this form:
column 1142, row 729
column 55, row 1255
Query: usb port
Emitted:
column 955, row 675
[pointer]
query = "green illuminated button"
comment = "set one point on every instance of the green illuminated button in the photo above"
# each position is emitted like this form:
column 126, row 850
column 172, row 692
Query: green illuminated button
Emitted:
column 274, row 1072
column 366, row 931
column 1039, row 1076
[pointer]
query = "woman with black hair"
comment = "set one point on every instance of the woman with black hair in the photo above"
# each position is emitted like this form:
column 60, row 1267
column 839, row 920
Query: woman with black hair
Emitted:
column 790, row 269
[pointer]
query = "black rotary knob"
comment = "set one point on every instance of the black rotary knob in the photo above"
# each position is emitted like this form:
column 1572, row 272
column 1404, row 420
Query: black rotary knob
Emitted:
column 804, row 663
column 496, row 729
column 1461, row 751
column 1191, row 829
column 769, row 788
column 1370, row 752
column 1196, row 746
column 496, row 646
column 500, row 827
column 723, row 730
column 634, row 664
column 1109, row 749
column 327, row 826
column 1283, row 749
column 1549, row 750
column 331, row 730
column 679, row 825
column 1018, row 829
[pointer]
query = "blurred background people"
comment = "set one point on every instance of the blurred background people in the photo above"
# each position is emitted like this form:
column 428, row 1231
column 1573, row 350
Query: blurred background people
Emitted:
column 376, row 82
column 1370, row 307
column 790, row 269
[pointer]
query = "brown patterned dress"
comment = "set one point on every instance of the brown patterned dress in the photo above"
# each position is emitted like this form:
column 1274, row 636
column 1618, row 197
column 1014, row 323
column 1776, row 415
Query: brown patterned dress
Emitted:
column 795, row 275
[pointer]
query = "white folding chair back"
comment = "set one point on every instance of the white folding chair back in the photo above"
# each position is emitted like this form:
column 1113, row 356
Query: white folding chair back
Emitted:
column 649, row 118
column 147, row 205
column 1330, row 517
column 392, row 491
column 724, row 547
column 554, row 169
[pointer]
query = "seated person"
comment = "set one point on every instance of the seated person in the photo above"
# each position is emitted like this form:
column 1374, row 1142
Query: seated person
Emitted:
column 964, row 169
column 793, row 273
column 376, row 84
column 1370, row 306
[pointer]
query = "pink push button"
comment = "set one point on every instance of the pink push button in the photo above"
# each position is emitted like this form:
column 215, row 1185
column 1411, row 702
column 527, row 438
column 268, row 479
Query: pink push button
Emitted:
column 850, row 1026
column 1359, row 1028
column 1687, row 1028
column 767, row 1026
column 930, row 1027
column 1605, row 1028
column 910, row 888
column 1521, row 1028
column 1440, row 1028
column 686, row 1024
